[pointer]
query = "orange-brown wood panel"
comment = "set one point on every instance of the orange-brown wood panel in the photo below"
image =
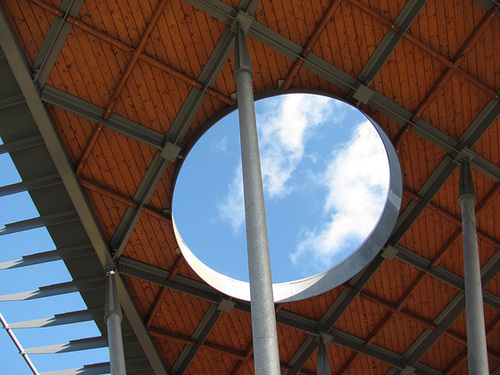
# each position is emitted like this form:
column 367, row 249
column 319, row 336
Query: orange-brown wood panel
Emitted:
column 482, row 61
column 391, row 280
column 148, row 244
column 317, row 308
column 361, row 317
column 208, row 359
column 430, row 297
column 232, row 330
column 491, row 137
column 74, row 131
column 176, row 305
column 398, row 333
column 446, row 110
column 289, row 341
column 30, row 23
column 442, row 353
column 108, row 212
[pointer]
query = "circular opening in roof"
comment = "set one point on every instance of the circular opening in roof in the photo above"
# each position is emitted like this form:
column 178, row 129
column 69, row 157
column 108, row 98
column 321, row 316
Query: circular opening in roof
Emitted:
column 328, row 174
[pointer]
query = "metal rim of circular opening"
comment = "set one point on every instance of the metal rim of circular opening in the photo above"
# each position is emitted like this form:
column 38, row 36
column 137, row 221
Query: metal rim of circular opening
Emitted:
column 332, row 277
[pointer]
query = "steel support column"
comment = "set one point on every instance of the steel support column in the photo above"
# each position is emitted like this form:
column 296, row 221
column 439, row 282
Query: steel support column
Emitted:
column 265, row 337
column 476, row 332
column 113, row 320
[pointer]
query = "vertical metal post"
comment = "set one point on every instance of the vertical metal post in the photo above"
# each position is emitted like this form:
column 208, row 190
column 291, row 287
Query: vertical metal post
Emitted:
column 113, row 319
column 323, row 365
column 265, row 337
column 476, row 332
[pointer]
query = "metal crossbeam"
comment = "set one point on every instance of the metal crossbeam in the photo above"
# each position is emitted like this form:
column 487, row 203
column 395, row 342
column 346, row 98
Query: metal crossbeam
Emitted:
column 54, row 41
column 49, row 256
column 37, row 183
column 72, row 346
column 95, row 114
column 21, row 144
column 11, row 101
column 199, row 336
column 388, row 44
column 39, row 222
column 450, row 278
column 61, row 319
column 56, row 290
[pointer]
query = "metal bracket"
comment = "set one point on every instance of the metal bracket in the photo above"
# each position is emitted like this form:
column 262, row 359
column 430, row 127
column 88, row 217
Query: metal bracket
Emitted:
column 389, row 252
column 225, row 305
column 325, row 338
column 363, row 94
column 170, row 151
column 242, row 21
column 408, row 370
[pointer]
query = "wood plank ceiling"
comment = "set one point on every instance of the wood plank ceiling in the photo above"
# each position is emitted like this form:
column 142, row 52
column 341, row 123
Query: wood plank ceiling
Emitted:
column 128, row 83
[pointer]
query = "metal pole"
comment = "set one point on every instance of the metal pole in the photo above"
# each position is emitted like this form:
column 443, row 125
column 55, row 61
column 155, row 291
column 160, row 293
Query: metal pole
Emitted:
column 476, row 332
column 18, row 345
column 113, row 319
column 323, row 365
column 265, row 337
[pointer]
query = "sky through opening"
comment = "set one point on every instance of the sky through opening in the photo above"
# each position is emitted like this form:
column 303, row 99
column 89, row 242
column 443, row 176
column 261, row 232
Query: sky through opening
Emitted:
column 325, row 175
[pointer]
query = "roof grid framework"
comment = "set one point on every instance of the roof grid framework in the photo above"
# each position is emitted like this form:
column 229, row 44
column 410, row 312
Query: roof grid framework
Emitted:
column 154, row 74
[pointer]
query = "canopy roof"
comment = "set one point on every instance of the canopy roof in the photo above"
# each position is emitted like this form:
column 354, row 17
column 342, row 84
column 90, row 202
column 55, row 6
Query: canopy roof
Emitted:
column 102, row 99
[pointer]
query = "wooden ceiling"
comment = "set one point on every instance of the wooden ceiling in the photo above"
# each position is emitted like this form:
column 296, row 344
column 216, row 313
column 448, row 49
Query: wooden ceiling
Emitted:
column 129, row 86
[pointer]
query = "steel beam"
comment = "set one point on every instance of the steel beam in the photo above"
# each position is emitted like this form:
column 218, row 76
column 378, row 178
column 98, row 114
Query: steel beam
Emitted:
column 56, row 290
column 490, row 269
column 21, row 144
column 72, row 346
column 95, row 114
column 54, row 41
column 488, row 5
column 199, row 336
column 388, row 44
column 15, row 57
column 49, row 256
column 37, row 183
column 61, row 319
column 11, row 101
column 39, row 222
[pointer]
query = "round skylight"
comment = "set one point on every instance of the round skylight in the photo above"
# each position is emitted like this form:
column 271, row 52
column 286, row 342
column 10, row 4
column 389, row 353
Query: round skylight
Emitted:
column 332, row 187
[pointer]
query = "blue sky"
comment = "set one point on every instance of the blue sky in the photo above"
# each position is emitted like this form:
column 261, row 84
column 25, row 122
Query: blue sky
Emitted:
column 12, row 247
column 325, row 181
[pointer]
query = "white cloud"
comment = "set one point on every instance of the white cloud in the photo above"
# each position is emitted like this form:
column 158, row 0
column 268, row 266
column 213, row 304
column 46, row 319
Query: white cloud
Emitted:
column 356, row 180
column 283, row 134
column 231, row 208
column 220, row 144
